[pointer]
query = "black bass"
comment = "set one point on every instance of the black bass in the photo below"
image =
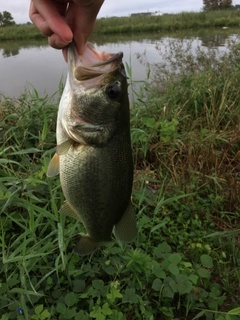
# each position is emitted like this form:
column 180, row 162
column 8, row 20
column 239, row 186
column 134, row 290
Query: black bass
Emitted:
column 94, row 157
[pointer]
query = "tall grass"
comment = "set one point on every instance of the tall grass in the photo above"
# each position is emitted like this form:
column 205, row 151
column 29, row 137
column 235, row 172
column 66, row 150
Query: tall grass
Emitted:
column 196, row 94
column 167, row 22
column 20, row 32
column 184, row 263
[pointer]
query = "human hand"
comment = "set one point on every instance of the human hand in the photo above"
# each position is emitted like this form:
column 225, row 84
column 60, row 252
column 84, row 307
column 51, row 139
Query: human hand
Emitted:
column 64, row 20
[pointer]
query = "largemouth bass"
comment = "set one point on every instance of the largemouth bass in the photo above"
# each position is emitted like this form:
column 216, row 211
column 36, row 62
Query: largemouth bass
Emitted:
column 94, row 157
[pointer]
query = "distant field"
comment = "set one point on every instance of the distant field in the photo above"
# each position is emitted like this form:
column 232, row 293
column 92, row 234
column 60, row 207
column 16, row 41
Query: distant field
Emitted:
column 167, row 22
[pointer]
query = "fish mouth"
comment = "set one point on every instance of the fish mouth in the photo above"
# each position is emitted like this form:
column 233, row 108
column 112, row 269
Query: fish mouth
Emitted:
column 92, row 67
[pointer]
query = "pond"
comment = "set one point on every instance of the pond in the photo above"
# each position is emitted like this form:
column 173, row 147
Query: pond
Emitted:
column 33, row 64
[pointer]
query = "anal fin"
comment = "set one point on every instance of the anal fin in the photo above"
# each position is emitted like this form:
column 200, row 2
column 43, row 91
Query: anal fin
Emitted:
column 126, row 228
column 68, row 211
column 86, row 245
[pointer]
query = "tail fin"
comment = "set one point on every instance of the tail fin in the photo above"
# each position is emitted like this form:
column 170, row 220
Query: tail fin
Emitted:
column 126, row 228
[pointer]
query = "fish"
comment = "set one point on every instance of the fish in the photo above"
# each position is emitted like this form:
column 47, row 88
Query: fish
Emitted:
column 93, row 155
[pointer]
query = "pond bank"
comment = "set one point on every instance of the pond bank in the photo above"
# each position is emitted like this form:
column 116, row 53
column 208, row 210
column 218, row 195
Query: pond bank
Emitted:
column 116, row 25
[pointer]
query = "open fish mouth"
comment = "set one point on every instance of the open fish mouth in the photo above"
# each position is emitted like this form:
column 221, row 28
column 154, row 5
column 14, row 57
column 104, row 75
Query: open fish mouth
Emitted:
column 92, row 67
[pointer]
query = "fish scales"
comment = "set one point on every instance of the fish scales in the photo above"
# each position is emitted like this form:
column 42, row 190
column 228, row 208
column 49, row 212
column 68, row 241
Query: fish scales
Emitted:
column 91, row 194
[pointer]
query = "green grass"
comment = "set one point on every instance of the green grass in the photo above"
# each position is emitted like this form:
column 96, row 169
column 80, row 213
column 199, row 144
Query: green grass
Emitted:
column 20, row 32
column 168, row 22
column 165, row 23
column 184, row 263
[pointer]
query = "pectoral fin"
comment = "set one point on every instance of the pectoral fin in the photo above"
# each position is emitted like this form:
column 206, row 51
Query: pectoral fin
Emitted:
column 126, row 228
column 53, row 167
column 64, row 147
column 68, row 211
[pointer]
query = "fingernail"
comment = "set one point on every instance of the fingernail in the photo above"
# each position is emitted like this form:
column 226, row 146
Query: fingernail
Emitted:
column 61, row 44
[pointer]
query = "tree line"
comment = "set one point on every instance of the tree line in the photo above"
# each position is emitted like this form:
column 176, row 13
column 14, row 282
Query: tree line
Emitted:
column 6, row 19
column 209, row 5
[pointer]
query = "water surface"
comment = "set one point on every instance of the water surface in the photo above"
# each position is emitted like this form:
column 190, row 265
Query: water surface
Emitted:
column 27, row 64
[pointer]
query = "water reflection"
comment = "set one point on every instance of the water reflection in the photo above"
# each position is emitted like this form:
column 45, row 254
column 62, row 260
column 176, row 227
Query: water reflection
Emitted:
column 34, row 62
column 12, row 48
column 8, row 53
column 210, row 38
column 218, row 39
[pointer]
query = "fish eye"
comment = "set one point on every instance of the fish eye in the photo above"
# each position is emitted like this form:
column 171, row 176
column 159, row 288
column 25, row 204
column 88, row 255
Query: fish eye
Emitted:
column 113, row 91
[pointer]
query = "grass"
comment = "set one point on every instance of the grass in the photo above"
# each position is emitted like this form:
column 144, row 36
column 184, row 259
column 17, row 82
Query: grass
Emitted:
column 168, row 22
column 184, row 263
column 165, row 23
column 20, row 32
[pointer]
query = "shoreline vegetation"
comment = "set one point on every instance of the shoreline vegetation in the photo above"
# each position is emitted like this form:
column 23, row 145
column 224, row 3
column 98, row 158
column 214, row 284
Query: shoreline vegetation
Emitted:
column 185, row 262
column 114, row 25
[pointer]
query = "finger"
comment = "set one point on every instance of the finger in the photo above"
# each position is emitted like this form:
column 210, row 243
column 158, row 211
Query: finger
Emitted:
column 81, row 20
column 85, row 3
column 56, row 41
column 39, row 21
column 51, row 13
